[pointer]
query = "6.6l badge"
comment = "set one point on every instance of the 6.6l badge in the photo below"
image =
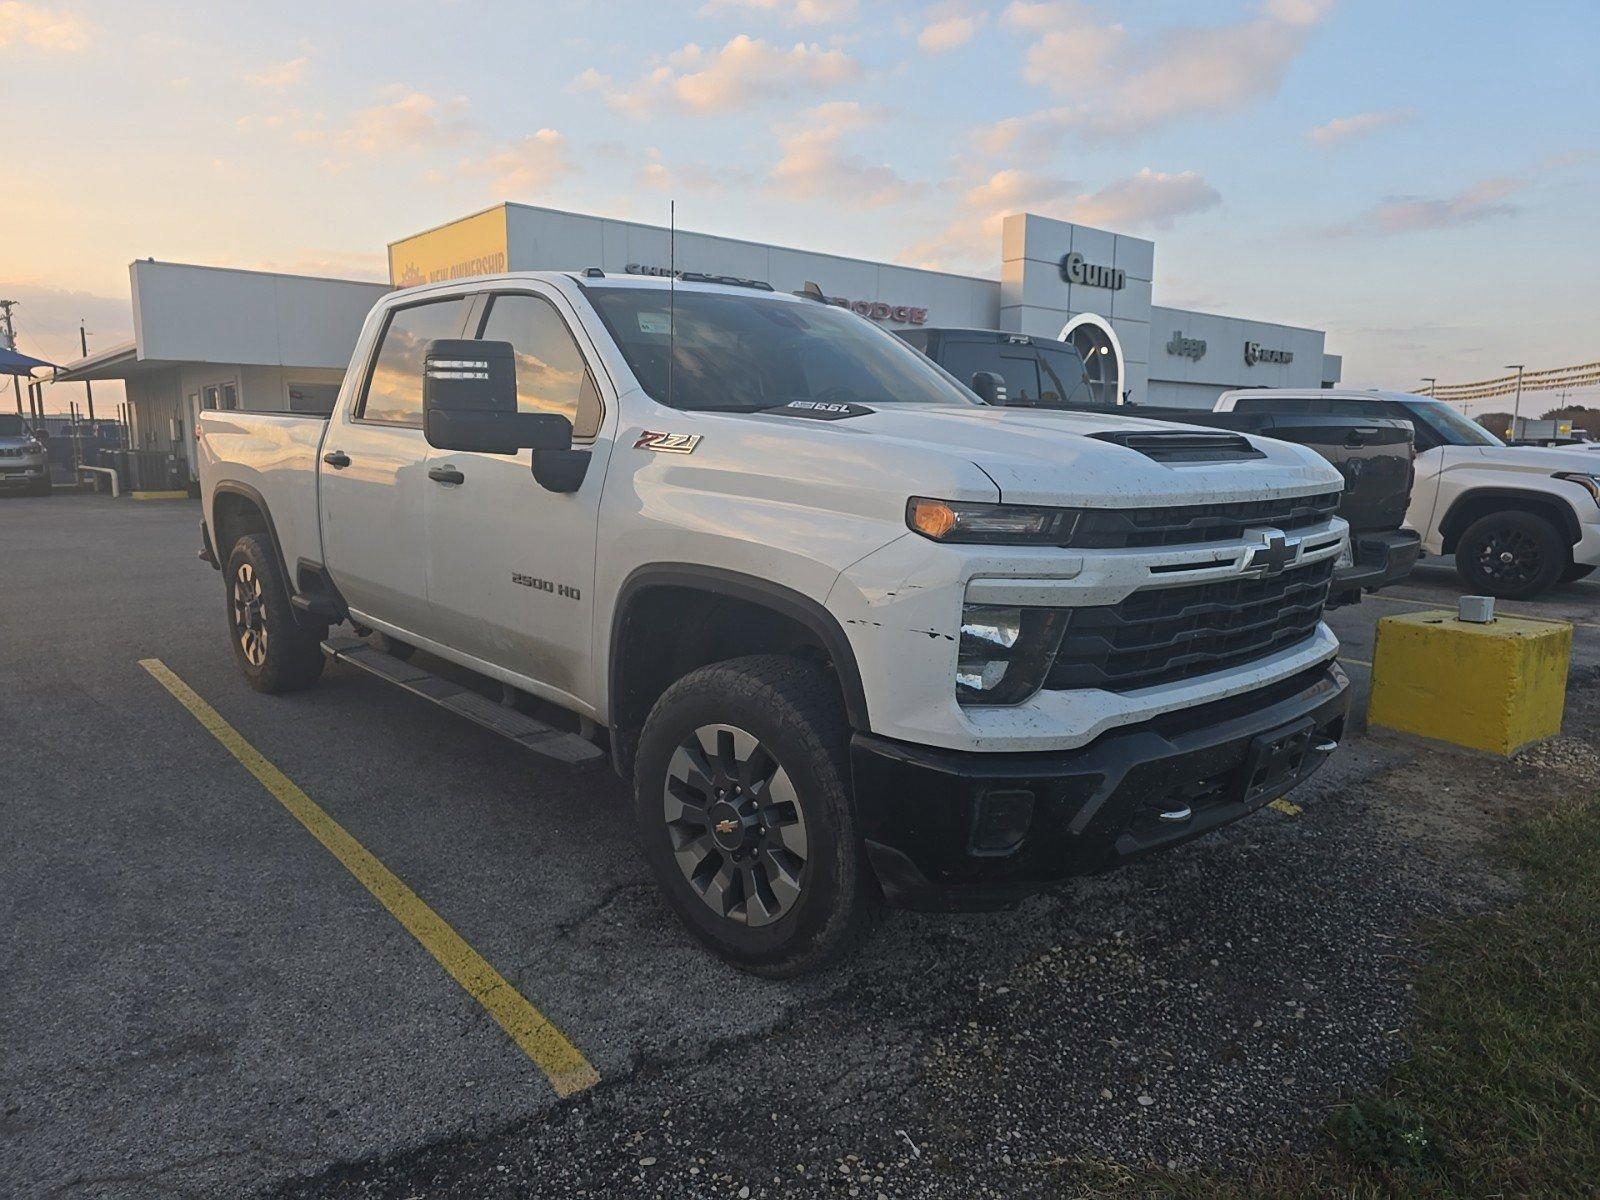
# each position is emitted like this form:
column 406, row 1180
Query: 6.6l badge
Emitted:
column 667, row 443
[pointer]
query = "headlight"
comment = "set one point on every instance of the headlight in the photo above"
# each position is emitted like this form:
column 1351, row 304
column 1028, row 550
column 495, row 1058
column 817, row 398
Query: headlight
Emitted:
column 1590, row 483
column 1005, row 653
column 992, row 524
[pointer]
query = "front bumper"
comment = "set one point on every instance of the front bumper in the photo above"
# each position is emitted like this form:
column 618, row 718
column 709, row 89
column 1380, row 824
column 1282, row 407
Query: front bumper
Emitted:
column 19, row 474
column 931, row 817
column 1381, row 558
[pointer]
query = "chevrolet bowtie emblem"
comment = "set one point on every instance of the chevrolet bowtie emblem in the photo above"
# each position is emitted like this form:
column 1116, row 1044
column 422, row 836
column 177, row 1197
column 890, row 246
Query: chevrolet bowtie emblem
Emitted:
column 727, row 826
column 1274, row 554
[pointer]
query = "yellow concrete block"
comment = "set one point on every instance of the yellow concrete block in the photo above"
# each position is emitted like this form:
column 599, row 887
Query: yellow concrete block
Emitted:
column 1495, row 687
column 174, row 495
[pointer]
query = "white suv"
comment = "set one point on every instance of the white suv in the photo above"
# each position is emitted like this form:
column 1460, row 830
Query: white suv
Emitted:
column 1519, row 519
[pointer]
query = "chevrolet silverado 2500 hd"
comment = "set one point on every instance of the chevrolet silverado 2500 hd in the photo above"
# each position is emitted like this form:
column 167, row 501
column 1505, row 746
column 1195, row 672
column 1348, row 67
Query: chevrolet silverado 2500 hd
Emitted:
column 849, row 632
column 1519, row 519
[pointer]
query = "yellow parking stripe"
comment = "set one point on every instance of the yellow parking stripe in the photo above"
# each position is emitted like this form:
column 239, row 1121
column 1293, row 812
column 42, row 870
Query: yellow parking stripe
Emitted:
column 563, row 1064
column 1360, row 662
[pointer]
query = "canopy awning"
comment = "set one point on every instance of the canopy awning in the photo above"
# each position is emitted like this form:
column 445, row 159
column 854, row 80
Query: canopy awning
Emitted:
column 118, row 362
column 13, row 362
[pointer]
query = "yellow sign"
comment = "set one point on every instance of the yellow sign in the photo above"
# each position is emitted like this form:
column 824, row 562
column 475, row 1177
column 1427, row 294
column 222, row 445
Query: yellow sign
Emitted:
column 474, row 245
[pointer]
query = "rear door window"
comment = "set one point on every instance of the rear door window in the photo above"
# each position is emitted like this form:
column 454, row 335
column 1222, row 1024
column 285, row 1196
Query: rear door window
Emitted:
column 393, row 394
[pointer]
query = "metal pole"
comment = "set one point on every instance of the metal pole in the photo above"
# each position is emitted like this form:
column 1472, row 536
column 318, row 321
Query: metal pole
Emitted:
column 1516, row 407
column 11, row 344
column 1432, row 381
column 88, row 388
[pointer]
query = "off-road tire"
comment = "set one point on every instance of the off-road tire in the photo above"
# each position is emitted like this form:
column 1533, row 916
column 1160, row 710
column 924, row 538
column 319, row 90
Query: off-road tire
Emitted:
column 1538, row 555
column 285, row 655
column 793, row 711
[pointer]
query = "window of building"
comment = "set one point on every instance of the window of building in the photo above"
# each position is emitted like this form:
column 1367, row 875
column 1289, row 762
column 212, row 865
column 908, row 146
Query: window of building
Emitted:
column 316, row 398
column 394, row 389
column 211, row 397
column 230, row 396
column 551, row 373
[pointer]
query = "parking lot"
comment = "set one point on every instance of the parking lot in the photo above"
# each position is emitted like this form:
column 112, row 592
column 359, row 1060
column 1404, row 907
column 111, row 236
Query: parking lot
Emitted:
column 203, row 1000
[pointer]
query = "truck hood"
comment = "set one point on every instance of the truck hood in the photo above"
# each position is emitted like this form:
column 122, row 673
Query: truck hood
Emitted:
column 1539, row 460
column 1039, row 456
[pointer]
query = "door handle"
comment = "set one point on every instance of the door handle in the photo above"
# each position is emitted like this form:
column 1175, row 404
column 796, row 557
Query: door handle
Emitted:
column 446, row 475
column 337, row 459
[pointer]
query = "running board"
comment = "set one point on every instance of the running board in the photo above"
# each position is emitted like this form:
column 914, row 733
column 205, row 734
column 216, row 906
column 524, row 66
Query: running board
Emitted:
column 566, row 748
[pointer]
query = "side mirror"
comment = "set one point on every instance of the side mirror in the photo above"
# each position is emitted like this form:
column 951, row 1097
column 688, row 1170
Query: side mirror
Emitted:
column 991, row 388
column 469, row 401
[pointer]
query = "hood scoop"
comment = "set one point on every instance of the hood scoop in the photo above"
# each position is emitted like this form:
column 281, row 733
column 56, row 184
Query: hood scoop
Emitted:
column 1183, row 446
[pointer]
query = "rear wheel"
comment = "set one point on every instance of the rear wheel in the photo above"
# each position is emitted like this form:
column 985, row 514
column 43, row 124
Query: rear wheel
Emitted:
column 1575, row 572
column 275, row 652
column 743, row 805
column 1513, row 555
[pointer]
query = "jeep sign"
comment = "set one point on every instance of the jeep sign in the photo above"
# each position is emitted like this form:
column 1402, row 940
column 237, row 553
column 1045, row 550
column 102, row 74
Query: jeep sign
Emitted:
column 1186, row 347
column 1075, row 270
column 1255, row 352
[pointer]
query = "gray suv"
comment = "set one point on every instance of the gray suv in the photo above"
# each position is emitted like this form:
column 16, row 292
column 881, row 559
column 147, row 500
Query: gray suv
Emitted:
column 24, row 464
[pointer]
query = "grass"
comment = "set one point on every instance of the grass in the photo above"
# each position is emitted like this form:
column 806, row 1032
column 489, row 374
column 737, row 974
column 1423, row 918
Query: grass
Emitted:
column 1500, row 1095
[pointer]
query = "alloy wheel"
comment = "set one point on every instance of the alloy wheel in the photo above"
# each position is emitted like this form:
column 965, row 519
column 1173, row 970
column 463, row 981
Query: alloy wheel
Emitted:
column 737, row 827
column 250, row 615
column 1510, row 556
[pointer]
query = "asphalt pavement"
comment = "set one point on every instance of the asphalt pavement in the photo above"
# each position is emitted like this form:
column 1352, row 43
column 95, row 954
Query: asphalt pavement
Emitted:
column 202, row 1000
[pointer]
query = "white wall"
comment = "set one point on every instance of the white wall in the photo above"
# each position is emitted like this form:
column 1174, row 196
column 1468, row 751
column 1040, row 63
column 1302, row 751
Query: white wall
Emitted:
column 185, row 313
column 542, row 239
column 1223, row 365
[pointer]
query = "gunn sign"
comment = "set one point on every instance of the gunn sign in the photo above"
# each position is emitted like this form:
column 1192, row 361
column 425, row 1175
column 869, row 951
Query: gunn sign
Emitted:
column 1075, row 270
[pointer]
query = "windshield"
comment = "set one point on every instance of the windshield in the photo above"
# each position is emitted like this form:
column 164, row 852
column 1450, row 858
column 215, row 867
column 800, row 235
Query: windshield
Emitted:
column 1453, row 428
column 739, row 353
column 12, row 426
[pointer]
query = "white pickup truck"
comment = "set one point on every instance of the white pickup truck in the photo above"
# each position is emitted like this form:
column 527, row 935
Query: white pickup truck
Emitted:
column 1519, row 519
column 851, row 633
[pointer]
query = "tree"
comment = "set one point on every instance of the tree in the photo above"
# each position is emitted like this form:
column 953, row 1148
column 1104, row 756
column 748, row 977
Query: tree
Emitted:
column 1497, row 423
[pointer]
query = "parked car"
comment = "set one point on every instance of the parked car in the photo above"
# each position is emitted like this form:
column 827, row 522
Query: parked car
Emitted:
column 848, row 631
column 1519, row 519
column 24, row 460
column 1374, row 455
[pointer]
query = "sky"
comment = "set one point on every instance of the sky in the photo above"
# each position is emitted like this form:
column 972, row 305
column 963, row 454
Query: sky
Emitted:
column 1421, row 180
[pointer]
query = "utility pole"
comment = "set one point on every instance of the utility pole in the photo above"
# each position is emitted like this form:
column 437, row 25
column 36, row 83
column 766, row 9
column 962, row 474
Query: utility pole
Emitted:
column 88, row 388
column 1432, row 382
column 11, row 344
column 1516, row 407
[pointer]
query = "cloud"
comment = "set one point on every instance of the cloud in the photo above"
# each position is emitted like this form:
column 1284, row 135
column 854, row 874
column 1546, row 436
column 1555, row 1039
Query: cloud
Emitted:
column 43, row 28
column 405, row 122
column 793, row 12
column 743, row 72
column 529, row 164
column 1359, row 125
column 656, row 175
column 973, row 236
column 278, row 76
column 1148, row 200
column 1119, row 86
column 814, row 165
column 1482, row 201
column 949, row 26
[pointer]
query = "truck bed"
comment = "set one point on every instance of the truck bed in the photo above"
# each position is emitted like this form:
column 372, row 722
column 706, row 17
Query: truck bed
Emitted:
column 274, row 456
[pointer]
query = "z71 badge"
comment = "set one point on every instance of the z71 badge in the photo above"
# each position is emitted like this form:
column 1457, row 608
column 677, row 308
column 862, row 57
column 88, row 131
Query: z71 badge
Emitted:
column 668, row 443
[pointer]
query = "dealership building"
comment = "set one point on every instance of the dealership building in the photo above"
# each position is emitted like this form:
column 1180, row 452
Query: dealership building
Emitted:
column 207, row 337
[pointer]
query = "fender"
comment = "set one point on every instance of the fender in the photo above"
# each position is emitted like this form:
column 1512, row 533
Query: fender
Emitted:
column 1569, row 519
column 789, row 603
column 257, row 499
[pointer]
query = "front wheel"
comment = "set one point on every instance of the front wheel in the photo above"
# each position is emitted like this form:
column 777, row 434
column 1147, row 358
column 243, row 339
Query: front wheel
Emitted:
column 1512, row 555
column 274, row 651
column 743, row 805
